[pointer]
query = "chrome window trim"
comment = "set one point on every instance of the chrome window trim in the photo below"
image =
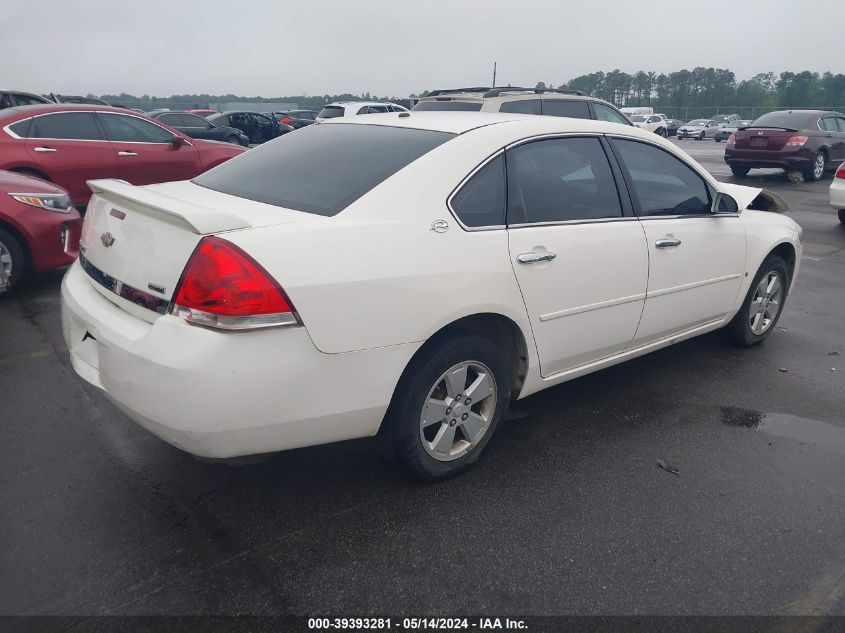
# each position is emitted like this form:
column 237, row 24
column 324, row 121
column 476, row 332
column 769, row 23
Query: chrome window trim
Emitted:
column 529, row 225
column 552, row 135
column 691, row 216
column 8, row 131
column 124, row 291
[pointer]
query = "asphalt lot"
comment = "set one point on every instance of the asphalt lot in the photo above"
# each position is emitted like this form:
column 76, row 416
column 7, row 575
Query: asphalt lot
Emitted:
column 567, row 513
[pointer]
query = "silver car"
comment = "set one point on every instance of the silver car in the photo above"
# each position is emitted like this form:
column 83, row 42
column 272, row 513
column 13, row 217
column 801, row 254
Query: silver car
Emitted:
column 699, row 129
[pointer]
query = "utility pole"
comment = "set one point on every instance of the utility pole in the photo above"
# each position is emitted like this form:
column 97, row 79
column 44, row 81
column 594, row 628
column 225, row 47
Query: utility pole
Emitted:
column 494, row 75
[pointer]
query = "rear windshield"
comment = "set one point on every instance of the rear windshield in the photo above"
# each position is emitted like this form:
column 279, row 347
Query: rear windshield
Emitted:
column 791, row 120
column 321, row 169
column 330, row 112
column 452, row 106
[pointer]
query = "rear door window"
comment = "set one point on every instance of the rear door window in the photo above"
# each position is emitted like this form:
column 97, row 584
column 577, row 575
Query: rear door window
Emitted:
column 603, row 113
column 559, row 180
column 481, row 201
column 81, row 126
column 130, row 129
column 560, row 107
column 523, row 106
column 320, row 169
column 331, row 112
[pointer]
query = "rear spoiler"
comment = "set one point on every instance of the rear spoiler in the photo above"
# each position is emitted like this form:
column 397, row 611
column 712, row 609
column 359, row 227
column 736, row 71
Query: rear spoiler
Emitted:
column 756, row 199
column 195, row 218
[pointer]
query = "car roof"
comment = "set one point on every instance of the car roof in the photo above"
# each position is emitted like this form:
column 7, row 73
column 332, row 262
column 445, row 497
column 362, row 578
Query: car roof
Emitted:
column 800, row 111
column 48, row 108
column 462, row 122
column 360, row 103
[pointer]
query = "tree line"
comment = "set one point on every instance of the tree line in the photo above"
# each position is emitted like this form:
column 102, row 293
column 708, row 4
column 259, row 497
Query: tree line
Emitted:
column 684, row 94
column 704, row 91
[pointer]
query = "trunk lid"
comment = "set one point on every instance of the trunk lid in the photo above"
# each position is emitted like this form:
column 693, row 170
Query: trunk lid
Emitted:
column 762, row 138
column 136, row 241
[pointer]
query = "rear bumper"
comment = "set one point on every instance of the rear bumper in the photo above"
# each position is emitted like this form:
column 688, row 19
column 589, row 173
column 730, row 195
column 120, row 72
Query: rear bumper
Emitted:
column 837, row 194
column 225, row 394
column 776, row 159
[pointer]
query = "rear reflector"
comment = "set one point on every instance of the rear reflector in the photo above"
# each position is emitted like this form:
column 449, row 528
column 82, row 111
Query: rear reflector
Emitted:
column 223, row 287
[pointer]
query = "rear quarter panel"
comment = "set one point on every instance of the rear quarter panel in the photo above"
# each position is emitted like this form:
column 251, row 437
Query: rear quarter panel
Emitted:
column 377, row 275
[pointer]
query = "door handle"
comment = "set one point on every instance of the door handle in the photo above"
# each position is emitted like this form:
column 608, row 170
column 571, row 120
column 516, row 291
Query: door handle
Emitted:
column 127, row 153
column 533, row 258
column 43, row 149
column 667, row 242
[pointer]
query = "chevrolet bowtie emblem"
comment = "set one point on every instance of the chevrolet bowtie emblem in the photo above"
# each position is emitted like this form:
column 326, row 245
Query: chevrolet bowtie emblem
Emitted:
column 107, row 239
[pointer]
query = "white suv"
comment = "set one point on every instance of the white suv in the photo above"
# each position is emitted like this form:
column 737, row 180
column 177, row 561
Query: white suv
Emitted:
column 551, row 102
column 353, row 108
column 656, row 123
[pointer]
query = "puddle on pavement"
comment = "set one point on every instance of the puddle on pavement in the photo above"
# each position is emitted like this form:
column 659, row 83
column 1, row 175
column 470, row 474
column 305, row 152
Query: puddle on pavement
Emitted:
column 793, row 427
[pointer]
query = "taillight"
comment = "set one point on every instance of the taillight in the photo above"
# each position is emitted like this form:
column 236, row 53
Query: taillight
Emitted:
column 732, row 139
column 840, row 173
column 796, row 141
column 223, row 287
column 286, row 120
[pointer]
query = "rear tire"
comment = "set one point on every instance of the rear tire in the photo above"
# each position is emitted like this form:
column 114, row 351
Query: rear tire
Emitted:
column 717, row 139
column 756, row 319
column 816, row 170
column 234, row 140
column 419, row 431
column 12, row 262
column 842, row 215
column 739, row 172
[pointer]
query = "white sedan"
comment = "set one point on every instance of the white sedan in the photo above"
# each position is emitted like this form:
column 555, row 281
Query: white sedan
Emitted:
column 409, row 275
column 837, row 192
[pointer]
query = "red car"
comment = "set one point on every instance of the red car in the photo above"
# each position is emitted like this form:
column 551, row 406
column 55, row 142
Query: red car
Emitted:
column 39, row 228
column 809, row 141
column 70, row 144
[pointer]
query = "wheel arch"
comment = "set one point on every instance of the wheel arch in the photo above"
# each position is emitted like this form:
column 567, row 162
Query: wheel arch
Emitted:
column 495, row 326
column 31, row 171
column 22, row 241
column 786, row 251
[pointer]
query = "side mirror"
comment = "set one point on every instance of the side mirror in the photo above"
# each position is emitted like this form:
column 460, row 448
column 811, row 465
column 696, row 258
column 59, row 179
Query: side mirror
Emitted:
column 177, row 141
column 724, row 204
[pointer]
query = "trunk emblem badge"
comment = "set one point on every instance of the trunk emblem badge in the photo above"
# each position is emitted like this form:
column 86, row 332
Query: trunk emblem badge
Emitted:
column 156, row 287
column 107, row 239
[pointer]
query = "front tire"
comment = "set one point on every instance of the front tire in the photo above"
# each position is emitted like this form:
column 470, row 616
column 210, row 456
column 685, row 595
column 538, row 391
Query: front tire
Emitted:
column 12, row 262
column 234, row 140
column 816, row 170
column 447, row 406
column 763, row 304
column 662, row 132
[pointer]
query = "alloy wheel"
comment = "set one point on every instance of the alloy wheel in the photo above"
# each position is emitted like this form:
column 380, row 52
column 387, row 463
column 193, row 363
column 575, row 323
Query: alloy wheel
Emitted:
column 818, row 166
column 458, row 410
column 5, row 267
column 766, row 303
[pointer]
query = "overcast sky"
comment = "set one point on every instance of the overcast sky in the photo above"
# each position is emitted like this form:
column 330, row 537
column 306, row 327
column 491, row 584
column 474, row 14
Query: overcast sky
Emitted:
column 395, row 47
